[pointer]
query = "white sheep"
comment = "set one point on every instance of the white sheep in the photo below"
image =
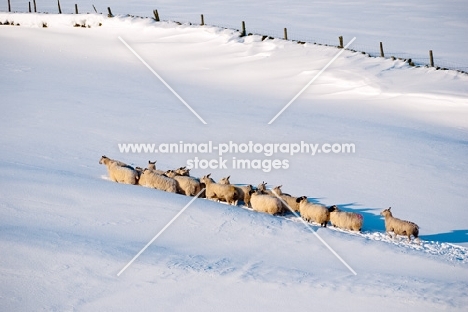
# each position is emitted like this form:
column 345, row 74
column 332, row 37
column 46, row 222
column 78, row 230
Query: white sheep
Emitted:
column 203, row 187
column 345, row 220
column 119, row 171
column 399, row 227
column 243, row 191
column 152, row 167
column 150, row 179
column 183, row 171
column 313, row 212
column 291, row 201
column 117, row 162
column 265, row 203
column 228, row 193
column 186, row 185
column 262, row 188
column 224, row 180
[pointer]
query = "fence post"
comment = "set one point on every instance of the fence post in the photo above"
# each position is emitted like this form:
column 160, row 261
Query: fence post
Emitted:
column 156, row 15
column 381, row 50
column 35, row 8
column 110, row 12
column 59, row 8
column 341, row 42
column 94, row 9
column 9, row 6
column 202, row 20
column 29, row 6
column 431, row 58
column 285, row 33
column 243, row 33
column 76, row 8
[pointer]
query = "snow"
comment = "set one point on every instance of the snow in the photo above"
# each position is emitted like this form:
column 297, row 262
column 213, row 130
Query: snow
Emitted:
column 70, row 95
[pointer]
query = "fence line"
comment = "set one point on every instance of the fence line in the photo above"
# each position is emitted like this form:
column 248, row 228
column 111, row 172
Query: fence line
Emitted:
column 371, row 51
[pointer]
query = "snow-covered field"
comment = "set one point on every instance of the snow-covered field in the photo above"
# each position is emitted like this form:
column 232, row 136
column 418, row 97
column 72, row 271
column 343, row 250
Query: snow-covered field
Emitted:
column 407, row 28
column 70, row 95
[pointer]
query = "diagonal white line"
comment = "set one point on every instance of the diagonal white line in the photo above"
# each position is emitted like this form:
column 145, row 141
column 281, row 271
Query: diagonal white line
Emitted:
column 316, row 234
column 310, row 82
column 160, row 232
column 163, row 81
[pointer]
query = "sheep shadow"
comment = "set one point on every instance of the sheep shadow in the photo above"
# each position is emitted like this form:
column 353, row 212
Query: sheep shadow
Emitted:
column 455, row 236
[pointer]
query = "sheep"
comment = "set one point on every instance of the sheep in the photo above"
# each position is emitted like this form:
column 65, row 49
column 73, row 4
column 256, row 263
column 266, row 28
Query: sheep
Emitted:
column 151, row 179
column 119, row 171
column 203, row 187
column 118, row 162
column 399, row 227
column 224, row 180
column 313, row 212
column 288, row 201
column 345, row 220
column 262, row 188
column 183, row 171
column 139, row 171
column 186, row 185
column 265, row 203
column 224, row 192
column 243, row 192
column 152, row 167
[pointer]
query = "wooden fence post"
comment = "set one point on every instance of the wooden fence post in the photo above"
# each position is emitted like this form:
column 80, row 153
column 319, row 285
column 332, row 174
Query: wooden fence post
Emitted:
column 341, row 42
column 285, row 33
column 431, row 58
column 59, row 8
column 243, row 33
column 29, row 6
column 35, row 8
column 76, row 8
column 202, row 20
column 156, row 15
column 110, row 12
column 9, row 6
column 94, row 9
column 381, row 50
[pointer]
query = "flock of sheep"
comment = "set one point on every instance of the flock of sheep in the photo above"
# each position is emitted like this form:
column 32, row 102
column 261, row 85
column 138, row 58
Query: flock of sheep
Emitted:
column 260, row 199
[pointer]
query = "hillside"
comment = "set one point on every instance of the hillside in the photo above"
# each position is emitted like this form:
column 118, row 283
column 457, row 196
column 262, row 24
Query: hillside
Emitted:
column 71, row 94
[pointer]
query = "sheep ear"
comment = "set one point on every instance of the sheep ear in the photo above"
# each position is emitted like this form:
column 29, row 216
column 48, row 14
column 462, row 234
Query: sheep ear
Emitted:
column 280, row 186
column 208, row 175
column 389, row 208
column 228, row 177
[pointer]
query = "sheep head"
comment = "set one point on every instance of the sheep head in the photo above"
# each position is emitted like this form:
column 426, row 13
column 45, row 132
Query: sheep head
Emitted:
column 300, row 199
column 262, row 186
column 103, row 158
column 386, row 212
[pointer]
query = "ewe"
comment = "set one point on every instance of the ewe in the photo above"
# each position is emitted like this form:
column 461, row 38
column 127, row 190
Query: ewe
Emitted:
column 119, row 171
column 313, row 212
column 399, row 227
